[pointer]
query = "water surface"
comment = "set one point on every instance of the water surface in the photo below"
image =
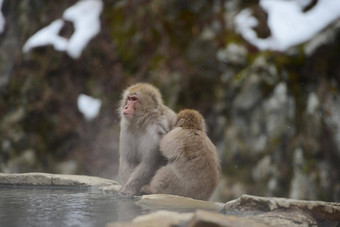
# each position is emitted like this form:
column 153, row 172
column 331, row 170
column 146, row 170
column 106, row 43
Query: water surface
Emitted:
column 34, row 206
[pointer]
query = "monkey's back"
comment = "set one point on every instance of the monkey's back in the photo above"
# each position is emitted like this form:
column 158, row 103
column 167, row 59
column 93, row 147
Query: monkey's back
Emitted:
column 193, row 158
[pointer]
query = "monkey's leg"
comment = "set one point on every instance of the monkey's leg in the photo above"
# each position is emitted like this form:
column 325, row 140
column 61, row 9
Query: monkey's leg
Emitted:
column 125, row 170
column 165, row 182
column 146, row 190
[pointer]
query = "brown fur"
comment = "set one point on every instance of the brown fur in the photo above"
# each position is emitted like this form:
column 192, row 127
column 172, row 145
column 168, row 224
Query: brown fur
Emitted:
column 193, row 165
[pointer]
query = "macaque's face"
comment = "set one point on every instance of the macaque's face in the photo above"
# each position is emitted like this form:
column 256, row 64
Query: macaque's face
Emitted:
column 131, row 104
column 139, row 101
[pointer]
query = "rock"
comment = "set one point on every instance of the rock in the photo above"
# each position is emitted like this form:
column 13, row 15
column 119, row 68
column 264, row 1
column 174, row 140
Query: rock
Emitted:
column 199, row 218
column 233, row 53
column 205, row 218
column 333, row 120
column 286, row 218
column 46, row 179
column 114, row 188
column 30, row 179
column 156, row 219
column 279, row 111
column 302, row 184
column 12, row 118
column 245, row 211
column 322, row 38
column 78, row 180
column 263, row 168
column 249, row 95
column 163, row 201
column 253, row 205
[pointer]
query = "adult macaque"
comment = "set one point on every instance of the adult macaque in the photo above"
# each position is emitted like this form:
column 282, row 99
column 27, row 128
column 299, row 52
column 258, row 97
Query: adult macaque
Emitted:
column 144, row 121
column 193, row 166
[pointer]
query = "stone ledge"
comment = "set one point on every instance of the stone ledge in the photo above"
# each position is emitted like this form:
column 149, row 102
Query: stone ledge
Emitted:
column 47, row 179
column 155, row 219
column 247, row 210
column 318, row 209
column 198, row 218
column 163, row 201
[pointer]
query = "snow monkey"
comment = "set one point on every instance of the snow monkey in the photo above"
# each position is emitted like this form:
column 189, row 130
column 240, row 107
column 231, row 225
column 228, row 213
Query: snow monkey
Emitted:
column 193, row 166
column 144, row 121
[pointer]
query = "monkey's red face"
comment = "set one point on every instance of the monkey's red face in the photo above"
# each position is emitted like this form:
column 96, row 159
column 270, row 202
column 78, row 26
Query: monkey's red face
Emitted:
column 129, row 109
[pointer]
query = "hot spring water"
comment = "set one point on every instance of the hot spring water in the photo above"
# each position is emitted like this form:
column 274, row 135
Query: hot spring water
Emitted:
column 36, row 206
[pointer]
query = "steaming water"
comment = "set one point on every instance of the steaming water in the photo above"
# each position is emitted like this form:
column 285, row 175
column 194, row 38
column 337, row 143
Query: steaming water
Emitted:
column 32, row 206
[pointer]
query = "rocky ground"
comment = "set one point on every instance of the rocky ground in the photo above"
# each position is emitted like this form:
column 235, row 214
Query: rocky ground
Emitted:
column 246, row 210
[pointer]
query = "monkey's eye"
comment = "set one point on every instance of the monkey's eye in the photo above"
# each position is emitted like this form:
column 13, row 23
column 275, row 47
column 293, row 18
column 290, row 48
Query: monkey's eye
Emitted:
column 132, row 98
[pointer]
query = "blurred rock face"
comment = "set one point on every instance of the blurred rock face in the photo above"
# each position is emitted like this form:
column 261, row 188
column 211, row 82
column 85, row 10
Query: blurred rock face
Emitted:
column 273, row 116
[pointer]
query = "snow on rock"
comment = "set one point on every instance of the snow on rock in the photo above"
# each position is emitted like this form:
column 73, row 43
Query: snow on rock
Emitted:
column 89, row 106
column 288, row 23
column 244, row 22
column 48, row 36
column 85, row 17
column 2, row 19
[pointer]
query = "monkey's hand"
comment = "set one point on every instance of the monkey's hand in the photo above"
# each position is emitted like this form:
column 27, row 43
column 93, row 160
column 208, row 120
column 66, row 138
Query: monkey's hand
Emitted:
column 145, row 190
column 126, row 193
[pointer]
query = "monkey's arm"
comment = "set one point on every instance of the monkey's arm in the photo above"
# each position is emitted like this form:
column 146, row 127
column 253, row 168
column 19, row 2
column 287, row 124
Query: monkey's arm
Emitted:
column 125, row 169
column 141, row 175
column 171, row 144
column 127, row 157
column 151, row 160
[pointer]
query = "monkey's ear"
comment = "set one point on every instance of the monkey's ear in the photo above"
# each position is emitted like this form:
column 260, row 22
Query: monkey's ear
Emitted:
column 204, row 126
column 155, row 100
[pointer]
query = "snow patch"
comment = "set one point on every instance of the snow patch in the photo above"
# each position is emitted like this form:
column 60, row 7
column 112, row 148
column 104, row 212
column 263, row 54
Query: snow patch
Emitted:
column 48, row 36
column 85, row 17
column 288, row 23
column 2, row 18
column 303, row 3
column 89, row 106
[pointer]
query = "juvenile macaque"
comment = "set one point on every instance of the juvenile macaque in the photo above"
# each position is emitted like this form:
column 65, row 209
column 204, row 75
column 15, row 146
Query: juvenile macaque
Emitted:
column 193, row 166
column 144, row 121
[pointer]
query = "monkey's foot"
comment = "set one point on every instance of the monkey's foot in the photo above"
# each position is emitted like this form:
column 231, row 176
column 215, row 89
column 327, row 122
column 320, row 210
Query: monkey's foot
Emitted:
column 126, row 194
column 146, row 190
